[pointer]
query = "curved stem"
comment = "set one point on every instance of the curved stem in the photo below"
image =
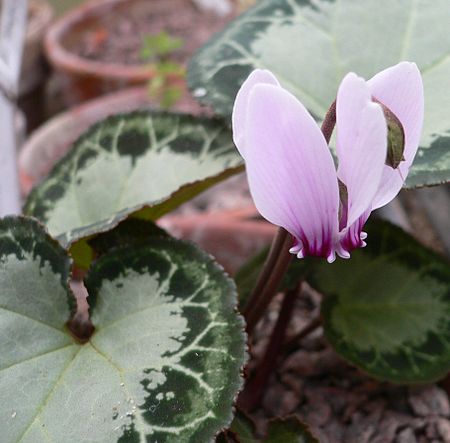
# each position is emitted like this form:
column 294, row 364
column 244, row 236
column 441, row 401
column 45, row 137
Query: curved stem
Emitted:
column 272, row 257
column 254, row 390
column 274, row 269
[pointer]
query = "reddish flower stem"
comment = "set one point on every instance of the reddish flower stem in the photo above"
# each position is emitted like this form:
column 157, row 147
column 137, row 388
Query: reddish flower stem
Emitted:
column 254, row 390
column 272, row 257
column 273, row 271
column 279, row 257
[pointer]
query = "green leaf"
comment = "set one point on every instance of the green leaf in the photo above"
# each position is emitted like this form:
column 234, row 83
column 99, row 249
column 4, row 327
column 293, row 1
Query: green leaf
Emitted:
column 130, row 232
column 168, row 68
column 170, row 96
column 159, row 45
column 310, row 46
column 243, row 428
column 387, row 309
column 163, row 363
column 289, row 430
column 126, row 163
column 281, row 430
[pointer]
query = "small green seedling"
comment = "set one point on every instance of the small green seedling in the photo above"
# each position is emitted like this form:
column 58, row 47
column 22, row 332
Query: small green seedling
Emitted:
column 157, row 49
column 160, row 45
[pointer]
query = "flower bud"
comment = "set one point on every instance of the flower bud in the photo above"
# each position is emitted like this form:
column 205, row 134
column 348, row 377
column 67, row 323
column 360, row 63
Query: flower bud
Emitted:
column 396, row 137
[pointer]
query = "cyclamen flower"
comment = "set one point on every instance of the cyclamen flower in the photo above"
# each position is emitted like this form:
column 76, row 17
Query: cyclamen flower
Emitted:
column 291, row 173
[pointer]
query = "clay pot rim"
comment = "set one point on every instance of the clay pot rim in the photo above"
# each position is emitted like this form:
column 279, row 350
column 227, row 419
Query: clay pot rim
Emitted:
column 137, row 97
column 65, row 60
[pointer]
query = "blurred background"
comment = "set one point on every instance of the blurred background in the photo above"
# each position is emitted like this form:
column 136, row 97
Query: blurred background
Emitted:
column 62, row 5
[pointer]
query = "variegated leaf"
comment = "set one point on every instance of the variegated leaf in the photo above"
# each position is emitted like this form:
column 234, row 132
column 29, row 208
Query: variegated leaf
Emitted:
column 146, row 163
column 163, row 364
column 387, row 309
column 311, row 44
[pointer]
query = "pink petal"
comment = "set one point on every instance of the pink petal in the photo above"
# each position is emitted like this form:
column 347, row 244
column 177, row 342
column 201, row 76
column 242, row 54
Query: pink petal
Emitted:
column 400, row 88
column 361, row 144
column 239, row 116
column 290, row 170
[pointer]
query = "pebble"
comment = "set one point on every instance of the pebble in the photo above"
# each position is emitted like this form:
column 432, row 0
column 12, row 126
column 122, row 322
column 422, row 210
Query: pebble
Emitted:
column 406, row 436
column 303, row 363
column 293, row 382
column 430, row 400
column 317, row 414
column 443, row 428
column 387, row 429
column 279, row 401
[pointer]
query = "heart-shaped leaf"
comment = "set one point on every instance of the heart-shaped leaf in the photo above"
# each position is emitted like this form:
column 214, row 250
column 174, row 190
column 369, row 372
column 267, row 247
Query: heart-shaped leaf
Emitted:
column 387, row 309
column 310, row 46
column 163, row 363
column 130, row 232
column 138, row 162
column 281, row 430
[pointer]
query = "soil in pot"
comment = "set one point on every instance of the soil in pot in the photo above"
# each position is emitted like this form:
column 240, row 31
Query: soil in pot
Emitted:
column 119, row 37
column 96, row 48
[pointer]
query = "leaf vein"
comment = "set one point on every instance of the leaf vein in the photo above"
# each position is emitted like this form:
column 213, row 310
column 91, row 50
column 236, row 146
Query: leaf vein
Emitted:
column 33, row 319
column 36, row 356
column 49, row 395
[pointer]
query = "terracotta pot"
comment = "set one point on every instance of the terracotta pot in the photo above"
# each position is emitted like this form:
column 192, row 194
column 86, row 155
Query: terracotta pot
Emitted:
column 232, row 237
column 82, row 78
column 53, row 140
column 34, row 69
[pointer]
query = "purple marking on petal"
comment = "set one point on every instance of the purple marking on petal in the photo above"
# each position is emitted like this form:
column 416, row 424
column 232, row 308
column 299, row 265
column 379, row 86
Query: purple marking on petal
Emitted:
column 352, row 237
column 321, row 246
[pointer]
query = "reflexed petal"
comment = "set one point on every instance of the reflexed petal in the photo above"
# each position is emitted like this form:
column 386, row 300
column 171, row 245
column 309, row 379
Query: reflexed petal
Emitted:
column 400, row 88
column 290, row 170
column 361, row 144
column 239, row 116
